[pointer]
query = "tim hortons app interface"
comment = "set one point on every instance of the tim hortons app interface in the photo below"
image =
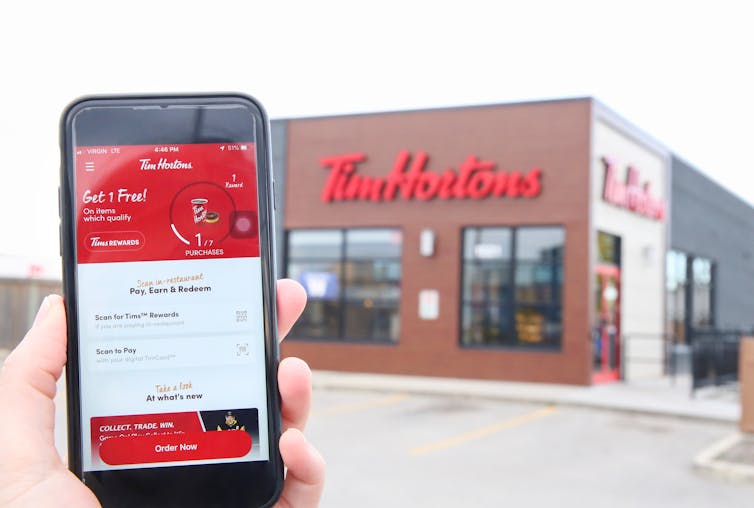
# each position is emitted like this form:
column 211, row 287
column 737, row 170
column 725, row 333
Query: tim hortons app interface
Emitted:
column 170, row 306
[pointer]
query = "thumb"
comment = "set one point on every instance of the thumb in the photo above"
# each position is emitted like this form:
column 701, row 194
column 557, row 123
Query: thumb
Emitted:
column 38, row 360
column 305, row 479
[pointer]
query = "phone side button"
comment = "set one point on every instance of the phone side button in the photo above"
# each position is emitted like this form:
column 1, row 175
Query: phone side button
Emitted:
column 60, row 239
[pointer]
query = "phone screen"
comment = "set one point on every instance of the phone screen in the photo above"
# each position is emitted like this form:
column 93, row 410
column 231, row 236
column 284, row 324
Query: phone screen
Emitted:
column 170, row 316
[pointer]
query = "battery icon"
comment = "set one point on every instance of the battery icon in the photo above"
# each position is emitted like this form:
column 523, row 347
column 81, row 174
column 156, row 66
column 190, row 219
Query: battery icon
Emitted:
column 244, row 147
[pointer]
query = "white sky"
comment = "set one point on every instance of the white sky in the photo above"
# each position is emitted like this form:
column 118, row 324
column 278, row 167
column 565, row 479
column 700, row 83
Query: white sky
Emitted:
column 678, row 70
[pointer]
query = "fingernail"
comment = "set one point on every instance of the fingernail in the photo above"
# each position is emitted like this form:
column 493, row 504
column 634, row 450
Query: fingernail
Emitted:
column 42, row 312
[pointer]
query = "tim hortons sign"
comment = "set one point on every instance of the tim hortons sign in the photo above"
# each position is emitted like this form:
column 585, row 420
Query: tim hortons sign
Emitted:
column 631, row 194
column 409, row 179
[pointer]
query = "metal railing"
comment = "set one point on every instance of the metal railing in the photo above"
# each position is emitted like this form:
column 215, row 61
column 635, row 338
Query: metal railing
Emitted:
column 714, row 357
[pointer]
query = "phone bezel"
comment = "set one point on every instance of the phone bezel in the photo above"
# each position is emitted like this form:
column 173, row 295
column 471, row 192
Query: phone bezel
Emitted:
column 232, row 478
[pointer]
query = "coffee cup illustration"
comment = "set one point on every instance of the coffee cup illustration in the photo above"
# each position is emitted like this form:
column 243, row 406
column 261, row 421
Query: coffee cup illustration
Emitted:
column 198, row 206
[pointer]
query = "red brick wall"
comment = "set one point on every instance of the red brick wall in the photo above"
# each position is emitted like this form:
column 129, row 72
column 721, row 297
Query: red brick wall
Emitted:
column 553, row 136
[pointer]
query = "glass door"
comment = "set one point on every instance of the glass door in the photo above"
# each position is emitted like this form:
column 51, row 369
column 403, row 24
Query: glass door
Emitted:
column 606, row 343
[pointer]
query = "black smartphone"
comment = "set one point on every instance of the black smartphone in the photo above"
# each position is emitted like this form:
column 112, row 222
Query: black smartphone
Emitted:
column 167, row 227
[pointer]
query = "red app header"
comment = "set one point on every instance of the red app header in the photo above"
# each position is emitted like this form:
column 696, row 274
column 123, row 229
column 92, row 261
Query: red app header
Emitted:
column 166, row 202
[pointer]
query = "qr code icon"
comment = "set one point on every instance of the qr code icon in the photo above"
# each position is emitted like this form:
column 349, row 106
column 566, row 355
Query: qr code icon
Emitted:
column 242, row 349
column 241, row 316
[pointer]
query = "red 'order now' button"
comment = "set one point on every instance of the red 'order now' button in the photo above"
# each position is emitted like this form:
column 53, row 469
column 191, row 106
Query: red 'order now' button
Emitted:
column 175, row 447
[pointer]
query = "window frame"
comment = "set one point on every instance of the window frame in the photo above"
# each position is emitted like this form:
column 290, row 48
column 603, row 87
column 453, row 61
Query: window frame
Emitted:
column 510, row 302
column 688, row 289
column 691, row 286
column 342, row 300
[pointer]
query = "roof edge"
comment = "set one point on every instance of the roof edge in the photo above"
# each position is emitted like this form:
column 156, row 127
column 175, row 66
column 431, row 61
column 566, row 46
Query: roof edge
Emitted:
column 525, row 102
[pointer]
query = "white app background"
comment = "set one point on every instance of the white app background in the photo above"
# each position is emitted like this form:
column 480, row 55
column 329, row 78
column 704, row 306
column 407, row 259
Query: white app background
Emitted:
column 141, row 329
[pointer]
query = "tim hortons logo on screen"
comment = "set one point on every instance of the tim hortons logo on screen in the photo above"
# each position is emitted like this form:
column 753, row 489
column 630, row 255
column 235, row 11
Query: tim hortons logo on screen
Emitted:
column 163, row 163
column 631, row 194
column 475, row 179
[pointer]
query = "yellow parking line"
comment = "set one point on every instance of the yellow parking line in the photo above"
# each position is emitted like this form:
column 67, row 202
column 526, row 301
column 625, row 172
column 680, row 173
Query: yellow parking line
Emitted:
column 483, row 432
column 352, row 407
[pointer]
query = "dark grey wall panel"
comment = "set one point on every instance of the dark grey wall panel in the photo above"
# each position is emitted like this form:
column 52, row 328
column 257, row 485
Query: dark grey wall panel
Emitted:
column 708, row 221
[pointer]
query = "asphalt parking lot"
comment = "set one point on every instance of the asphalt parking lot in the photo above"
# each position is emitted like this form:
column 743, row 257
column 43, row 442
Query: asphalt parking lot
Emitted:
column 405, row 450
column 398, row 449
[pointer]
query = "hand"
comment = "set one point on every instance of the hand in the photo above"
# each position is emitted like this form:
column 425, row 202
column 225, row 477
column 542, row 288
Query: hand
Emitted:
column 31, row 471
column 306, row 468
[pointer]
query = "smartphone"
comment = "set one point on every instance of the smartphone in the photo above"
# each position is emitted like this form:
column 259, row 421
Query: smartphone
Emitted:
column 167, row 227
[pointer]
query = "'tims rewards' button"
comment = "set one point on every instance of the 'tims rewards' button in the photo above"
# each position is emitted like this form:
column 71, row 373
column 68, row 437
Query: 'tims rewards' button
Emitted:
column 114, row 241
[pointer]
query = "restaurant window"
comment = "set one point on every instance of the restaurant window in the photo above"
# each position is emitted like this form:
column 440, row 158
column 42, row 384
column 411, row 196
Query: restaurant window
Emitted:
column 690, row 289
column 675, row 290
column 701, row 299
column 608, row 249
column 512, row 287
column 352, row 279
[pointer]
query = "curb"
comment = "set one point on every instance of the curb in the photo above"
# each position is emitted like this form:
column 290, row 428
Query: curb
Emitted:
column 535, row 393
column 706, row 461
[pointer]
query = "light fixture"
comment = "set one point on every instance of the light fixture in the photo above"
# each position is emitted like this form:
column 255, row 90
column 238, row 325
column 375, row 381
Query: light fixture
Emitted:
column 427, row 243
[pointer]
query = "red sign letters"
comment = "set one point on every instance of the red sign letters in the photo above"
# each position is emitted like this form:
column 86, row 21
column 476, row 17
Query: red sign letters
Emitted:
column 476, row 179
column 630, row 194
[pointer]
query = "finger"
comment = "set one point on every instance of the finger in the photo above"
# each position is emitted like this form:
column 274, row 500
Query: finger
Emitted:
column 39, row 359
column 295, row 385
column 291, row 301
column 306, row 472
